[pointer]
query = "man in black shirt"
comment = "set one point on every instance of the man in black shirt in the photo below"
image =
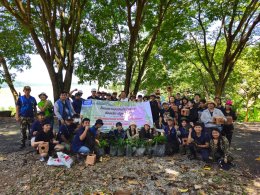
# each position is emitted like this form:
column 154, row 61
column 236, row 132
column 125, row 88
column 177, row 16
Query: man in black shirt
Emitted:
column 165, row 113
column 155, row 110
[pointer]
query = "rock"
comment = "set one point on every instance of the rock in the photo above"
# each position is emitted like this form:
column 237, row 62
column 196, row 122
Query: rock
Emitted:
column 196, row 187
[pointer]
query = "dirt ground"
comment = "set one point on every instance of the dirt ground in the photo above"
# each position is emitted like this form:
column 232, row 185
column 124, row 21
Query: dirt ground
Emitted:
column 22, row 173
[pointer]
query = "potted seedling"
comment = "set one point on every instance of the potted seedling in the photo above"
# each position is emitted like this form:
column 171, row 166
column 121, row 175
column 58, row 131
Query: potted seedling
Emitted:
column 159, row 145
column 121, row 147
column 129, row 147
column 102, row 145
column 140, row 147
column 113, row 148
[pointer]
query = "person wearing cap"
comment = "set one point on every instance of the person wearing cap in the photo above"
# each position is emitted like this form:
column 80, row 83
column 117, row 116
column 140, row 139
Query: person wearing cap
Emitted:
column 79, row 143
column 66, row 133
column 103, row 95
column 171, row 132
column 46, row 135
column 117, row 133
column 219, row 148
column 77, row 102
column 94, row 94
column 25, row 112
column 198, row 143
column 46, row 106
column 132, row 131
column 146, row 132
column 208, row 115
column 165, row 113
column 79, row 92
column 146, row 98
column 63, row 108
column 229, row 128
column 123, row 97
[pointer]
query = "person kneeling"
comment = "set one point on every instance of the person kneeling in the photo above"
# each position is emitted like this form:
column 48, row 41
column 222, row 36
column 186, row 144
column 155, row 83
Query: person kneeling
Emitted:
column 198, row 143
column 46, row 136
column 219, row 150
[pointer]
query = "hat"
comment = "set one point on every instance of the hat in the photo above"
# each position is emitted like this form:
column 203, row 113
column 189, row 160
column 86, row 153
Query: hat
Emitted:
column 93, row 89
column 42, row 93
column 99, row 121
column 80, row 91
column 169, row 119
column 211, row 102
column 26, row 88
column 78, row 94
column 132, row 123
column 147, row 123
column 229, row 102
column 153, row 95
column 119, row 124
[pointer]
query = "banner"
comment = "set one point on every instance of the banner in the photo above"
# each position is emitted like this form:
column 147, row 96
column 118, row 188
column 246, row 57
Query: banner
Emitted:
column 112, row 112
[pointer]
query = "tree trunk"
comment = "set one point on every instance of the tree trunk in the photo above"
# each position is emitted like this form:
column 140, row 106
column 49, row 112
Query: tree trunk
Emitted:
column 8, row 79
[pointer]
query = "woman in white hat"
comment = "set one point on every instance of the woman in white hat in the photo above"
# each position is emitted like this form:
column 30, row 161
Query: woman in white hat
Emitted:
column 132, row 131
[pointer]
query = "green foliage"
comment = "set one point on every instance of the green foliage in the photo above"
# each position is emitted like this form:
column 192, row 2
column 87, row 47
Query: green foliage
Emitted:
column 103, row 143
column 121, row 143
column 159, row 139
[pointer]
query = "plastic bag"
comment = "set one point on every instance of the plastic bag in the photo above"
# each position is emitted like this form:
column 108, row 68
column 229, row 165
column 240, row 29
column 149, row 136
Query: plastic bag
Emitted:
column 120, row 151
column 140, row 152
column 159, row 150
column 65, row 159
column 113, row 150
column 54, row 161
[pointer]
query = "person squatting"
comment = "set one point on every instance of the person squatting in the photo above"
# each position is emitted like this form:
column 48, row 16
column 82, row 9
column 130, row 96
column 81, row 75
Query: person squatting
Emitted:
column 193, row 126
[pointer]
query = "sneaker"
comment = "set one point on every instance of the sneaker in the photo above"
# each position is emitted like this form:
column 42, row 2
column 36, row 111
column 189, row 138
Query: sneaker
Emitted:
column 42, row 159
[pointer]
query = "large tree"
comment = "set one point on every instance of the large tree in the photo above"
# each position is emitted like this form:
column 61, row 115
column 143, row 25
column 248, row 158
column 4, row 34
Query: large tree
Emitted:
column 54, row 27
column 220, row 32
column 15, row 48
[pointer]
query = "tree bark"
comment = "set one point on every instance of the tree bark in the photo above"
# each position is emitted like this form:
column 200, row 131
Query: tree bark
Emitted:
column 8, row 79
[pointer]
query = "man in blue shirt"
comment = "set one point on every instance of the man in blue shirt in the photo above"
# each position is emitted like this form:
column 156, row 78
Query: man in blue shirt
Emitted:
column 66, row 132
column 25, row 113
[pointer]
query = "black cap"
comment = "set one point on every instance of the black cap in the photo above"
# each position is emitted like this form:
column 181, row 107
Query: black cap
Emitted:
column 40, row 113
column 119, row 124
column 99, row 121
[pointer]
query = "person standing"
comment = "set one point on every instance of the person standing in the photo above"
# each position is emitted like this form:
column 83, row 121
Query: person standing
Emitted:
column 46, row 106
column 25, row 113
column 155, row 110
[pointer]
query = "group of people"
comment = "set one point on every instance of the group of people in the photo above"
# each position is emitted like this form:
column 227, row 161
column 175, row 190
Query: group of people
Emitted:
column 189, row 124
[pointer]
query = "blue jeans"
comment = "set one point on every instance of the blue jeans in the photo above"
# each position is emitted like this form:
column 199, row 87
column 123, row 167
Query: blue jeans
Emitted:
column 83, row 150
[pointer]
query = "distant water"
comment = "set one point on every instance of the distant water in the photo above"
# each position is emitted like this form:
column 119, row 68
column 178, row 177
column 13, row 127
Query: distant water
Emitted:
column 6, row 98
